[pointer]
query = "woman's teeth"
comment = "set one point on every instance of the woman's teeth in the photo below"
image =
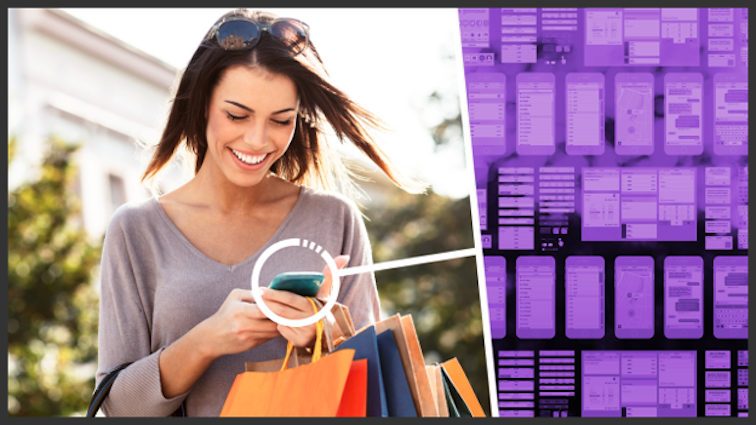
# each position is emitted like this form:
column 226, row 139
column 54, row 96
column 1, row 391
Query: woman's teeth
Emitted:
column 251, row 160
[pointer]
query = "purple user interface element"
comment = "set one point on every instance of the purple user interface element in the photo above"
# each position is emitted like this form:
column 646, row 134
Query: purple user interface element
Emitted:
column 647, row 383
column 585, row 113
column 634, row 117
column 625, row 135
column 683, row 113
column 642, row 37
column 496, row 286
column 535, row 113
column 535, row 297
column 731, row 297
column 651, row 204
column 634, row 297
column 683, row 297
column 584, row 284
column 486, row 100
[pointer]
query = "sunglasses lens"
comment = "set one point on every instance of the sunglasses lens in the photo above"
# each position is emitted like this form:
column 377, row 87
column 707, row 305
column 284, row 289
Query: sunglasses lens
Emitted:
column 292, row 33
column 235, row 35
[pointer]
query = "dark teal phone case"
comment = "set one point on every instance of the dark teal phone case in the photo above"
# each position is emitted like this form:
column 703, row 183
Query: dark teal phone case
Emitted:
column 305, row 284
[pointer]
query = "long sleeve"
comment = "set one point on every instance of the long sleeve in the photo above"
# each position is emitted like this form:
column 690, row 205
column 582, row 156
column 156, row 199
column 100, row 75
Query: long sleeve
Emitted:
column 124, row 332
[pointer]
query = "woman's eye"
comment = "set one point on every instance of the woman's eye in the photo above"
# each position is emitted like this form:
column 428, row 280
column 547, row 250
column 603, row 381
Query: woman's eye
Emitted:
column 234, row 117
column 283, row 123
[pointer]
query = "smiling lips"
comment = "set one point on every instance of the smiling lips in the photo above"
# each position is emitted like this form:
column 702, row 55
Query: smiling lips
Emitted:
column 249, row 159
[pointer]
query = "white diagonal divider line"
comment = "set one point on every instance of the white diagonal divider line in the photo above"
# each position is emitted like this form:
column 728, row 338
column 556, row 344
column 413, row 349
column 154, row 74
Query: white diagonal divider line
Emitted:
column 412, row 261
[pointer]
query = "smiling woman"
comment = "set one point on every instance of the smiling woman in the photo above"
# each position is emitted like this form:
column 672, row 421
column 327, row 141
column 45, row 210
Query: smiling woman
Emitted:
column 175, row 304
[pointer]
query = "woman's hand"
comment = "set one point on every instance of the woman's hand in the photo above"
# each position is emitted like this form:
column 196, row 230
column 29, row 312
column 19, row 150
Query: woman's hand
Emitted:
column 292, row 306
column 238, row 325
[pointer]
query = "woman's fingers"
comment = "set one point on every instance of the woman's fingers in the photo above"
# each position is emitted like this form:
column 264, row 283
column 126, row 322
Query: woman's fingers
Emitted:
column 325, row 288
column 287, row 304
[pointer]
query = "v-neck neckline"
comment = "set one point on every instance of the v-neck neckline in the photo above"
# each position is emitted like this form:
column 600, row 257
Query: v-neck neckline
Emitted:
column 175, row 230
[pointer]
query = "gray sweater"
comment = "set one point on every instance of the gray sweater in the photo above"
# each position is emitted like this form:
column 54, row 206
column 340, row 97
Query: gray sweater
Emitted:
column 156, row 286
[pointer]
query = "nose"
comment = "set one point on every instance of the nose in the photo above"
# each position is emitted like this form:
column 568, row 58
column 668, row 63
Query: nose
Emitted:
column 255, row 135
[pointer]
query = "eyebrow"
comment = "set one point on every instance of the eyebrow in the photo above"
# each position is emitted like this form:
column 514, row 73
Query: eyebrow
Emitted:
column 252, row 110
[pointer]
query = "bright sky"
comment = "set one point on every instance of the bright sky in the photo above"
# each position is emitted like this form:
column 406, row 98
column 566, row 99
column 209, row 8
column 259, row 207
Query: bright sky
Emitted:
column 388, row 60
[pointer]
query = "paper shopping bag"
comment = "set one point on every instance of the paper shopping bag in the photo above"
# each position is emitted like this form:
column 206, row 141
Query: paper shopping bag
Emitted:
column 398, row 394
column 412, row 360
column 461, row 384
column 456, row 406
column 333, row 385
column 316, row 389
column 365, row 346
column 437, row 387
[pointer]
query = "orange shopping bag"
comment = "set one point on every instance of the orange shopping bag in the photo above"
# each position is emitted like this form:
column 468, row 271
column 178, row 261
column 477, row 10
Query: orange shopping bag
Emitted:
column 334, row 385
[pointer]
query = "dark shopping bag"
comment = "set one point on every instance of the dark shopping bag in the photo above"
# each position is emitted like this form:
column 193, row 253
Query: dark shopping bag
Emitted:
column 461, row 391
column 365, row 346
column 398, row 395
column 456, row 406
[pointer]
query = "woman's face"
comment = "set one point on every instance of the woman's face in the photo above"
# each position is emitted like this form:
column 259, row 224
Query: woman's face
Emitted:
column 250, row 123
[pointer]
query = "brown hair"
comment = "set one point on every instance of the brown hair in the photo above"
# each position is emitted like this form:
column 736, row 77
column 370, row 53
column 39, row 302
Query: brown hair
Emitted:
column 308, row 160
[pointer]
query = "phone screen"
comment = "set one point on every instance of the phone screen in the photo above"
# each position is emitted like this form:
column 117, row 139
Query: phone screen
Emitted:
column 585, row 110
column 634, row 299
column 496, row 289
column 535, row 297
column 731, row 298
column 535, row 114
column 487, row 102
column 731, row 115
column 683, row 115
column 683, row 297
column 584, row 283
column 634, row 113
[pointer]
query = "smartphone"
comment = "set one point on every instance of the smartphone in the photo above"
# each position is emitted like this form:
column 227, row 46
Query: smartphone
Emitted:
column 496, row 288
column 731, row 297
column 487, row 104
column 634, row 113
column 731, row 114
column 535, row 113
column 584, row 289
column 305, row 284
column 536, row 275
column 585, row 113
column 683, row 297
column 683, row 113
column 634, row 297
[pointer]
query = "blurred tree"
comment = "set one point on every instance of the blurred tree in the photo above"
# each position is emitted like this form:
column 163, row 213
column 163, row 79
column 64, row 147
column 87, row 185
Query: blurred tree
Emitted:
column 441, row 297
column 52, row 307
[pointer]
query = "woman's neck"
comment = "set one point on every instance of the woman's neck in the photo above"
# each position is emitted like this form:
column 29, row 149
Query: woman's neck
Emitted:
column 216, row 191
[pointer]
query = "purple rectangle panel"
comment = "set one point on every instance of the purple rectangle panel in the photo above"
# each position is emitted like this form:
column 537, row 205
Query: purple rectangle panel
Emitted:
column 535, row 297
column 496, row 289
column 717, row 410
column 717, row 359
column 731, row 297
column 717, row 396
column 743, row 358
column 516, row 413
column 717, row 379
column 508, row 385
column 611, row 145
column 658, row 381
column 641, row 204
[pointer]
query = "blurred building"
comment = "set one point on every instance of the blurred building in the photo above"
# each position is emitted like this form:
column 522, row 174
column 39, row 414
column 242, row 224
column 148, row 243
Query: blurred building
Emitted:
column 69, row 79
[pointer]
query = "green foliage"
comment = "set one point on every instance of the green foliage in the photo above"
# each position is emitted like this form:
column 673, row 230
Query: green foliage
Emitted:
column 52, row 307
column 441, row 297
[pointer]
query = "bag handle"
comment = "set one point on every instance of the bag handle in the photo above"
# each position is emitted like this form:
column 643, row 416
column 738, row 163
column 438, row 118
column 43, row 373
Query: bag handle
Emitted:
column 103, row 390
column 316, row 352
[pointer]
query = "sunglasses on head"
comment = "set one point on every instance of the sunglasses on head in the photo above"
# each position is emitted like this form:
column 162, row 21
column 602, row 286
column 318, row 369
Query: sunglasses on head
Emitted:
column 241, row 32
